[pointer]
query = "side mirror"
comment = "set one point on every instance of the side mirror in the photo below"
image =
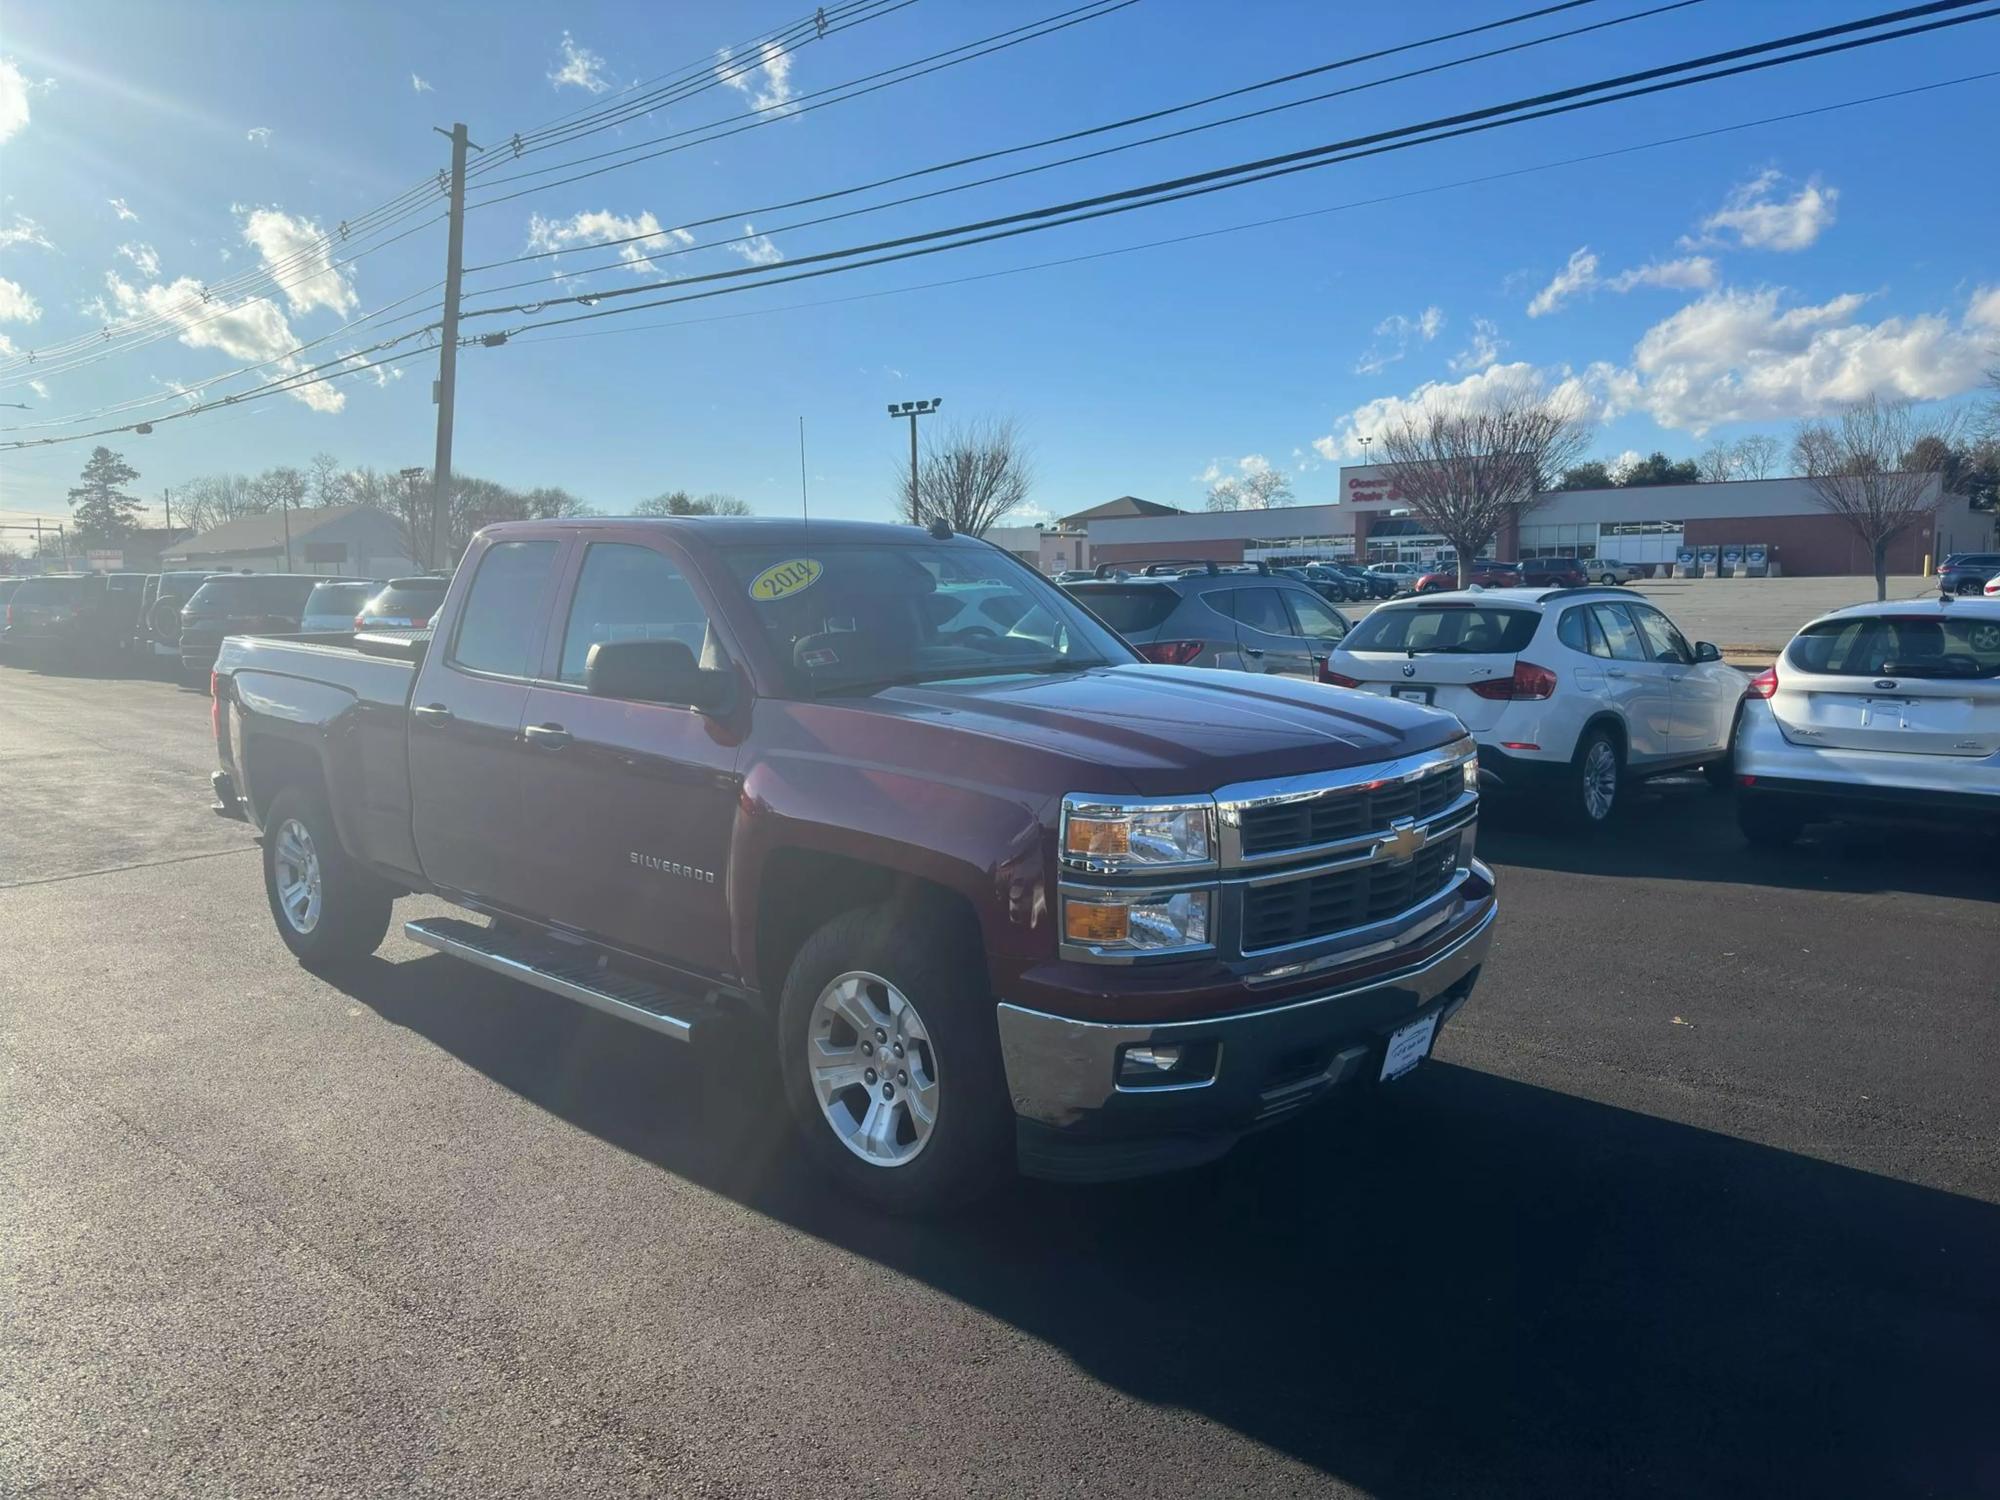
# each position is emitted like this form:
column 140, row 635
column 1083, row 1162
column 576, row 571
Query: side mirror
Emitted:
column 1703, row 651
column 653, row 672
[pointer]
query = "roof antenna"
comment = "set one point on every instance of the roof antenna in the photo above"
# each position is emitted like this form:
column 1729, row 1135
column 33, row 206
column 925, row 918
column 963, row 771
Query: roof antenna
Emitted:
column 804, row 511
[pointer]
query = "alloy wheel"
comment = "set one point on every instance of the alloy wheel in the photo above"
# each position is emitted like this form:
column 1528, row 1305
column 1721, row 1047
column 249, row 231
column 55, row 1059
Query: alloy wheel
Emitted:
column 1600, row 780
column 873, row 1069
column 298, row 876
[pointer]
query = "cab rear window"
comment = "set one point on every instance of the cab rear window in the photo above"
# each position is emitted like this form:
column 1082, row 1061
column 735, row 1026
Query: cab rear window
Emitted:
column 1899, row 646
column 1462, row 629
column 1127, row 608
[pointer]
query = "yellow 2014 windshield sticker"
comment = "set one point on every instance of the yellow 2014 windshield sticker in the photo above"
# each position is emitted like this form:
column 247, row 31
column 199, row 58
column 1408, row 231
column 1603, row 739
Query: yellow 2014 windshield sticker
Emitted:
column 783, row 579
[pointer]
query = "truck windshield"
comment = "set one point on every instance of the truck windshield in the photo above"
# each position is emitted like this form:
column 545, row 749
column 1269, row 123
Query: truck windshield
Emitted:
column 848, row 617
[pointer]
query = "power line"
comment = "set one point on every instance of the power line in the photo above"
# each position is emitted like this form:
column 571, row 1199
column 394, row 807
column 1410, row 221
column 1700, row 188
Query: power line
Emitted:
column 1265, row 223
column 1129, row 120
column 978, row 182
column 793, row 108
column 1540, row 106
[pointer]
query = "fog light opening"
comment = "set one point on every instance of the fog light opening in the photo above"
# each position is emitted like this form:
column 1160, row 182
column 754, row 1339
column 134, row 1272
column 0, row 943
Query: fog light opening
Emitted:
column 1160, row 1065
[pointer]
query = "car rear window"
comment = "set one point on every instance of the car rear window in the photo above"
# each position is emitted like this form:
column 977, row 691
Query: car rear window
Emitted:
column 1462, row 629
column 49, row 591
column 1899, row 646
column 1127, row 608
column 409, row 596
column 252, row 593
column 338, row 598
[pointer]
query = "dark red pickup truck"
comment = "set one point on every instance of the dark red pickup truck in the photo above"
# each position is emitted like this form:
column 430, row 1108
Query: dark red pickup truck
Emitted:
column 1000, row 892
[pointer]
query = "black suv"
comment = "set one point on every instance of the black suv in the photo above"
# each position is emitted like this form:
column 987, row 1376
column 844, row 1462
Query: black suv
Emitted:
column 1207, row 614
column 67, row 617
column 1967, row 572
column 243, row 604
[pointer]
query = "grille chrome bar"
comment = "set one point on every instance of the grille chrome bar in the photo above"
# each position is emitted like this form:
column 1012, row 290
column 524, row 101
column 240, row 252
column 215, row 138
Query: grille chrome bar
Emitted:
column 1246, row 810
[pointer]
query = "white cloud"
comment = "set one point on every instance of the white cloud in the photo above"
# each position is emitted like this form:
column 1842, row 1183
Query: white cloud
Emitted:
column 7, row 346
column 1482, row 348
column 303, row 258
column 252, row 332
column 758, row 249
column 16, row 89
column 145, row 258
column 1579, row 275
column 16, row 306
column 123, row 210
column 421, row 85
column 1757, row 214
column 597, row 227
column 24, row 231
column 1689, row 273
column 40, row 388
column 1737, row 356
column 1399, row 331
column 581, row 68
column 1495, row 382
column 258, row 135
column 767, row 84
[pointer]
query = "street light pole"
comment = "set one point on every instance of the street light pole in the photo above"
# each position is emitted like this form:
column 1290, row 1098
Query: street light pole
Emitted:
column 913, row 410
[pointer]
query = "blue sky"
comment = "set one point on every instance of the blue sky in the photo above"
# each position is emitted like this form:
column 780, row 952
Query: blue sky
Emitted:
column 1687, row 293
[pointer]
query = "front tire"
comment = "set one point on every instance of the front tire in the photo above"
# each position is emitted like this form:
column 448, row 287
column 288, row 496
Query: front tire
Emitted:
column 1587, row 797
column 328, row 909
column 891, row 1061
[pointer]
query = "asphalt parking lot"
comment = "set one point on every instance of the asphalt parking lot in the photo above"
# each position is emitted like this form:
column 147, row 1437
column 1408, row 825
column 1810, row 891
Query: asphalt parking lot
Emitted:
column 1700, row 1195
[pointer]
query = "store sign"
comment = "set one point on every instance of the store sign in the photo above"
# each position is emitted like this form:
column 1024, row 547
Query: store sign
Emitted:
column 105, row 562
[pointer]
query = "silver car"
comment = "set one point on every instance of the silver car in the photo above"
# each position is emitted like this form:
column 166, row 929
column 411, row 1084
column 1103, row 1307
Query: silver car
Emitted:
column 334, row 605
column 1206, row 614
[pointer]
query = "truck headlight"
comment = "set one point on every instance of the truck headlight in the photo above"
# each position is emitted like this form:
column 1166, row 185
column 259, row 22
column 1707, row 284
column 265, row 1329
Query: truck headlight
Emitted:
column 1112, row 836
column 1472, row 772
column 1138, row 922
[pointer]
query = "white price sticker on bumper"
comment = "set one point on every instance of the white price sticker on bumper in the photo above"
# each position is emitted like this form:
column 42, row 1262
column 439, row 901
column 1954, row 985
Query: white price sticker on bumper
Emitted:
column 1408, row 1047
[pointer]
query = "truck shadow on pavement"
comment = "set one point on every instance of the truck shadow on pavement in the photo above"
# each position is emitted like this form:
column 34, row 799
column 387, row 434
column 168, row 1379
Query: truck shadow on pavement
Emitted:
column 1678, row 829
column 1475, row 1287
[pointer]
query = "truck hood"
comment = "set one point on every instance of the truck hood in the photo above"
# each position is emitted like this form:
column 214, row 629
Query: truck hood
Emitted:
column 1151, row 730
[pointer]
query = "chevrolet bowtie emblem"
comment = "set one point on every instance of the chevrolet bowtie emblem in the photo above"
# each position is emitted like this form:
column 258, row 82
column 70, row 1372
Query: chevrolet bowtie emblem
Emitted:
column 1403, row 842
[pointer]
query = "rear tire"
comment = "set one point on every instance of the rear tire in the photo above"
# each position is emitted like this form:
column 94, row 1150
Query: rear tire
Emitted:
column 328, row 908
column 1587, row 796
column 1767, row 824
column 927, row 990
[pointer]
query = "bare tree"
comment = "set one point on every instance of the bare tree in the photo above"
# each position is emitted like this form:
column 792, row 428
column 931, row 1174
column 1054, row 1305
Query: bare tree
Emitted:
column 327, row 483
column 1859, row 466
column 681, row 503
column 1756, row 455
column 1258, row 489
column 1717, row 463
column 969, row 477
column 1469, row 468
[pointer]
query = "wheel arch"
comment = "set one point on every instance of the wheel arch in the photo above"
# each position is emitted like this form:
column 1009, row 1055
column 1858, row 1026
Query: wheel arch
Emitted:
column 1613, row 725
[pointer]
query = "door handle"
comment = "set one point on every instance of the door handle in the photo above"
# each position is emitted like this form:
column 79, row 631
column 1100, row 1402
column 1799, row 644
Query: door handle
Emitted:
column 436, row 713
column 1614, row 671
column 548, row 736
column 1253, row 650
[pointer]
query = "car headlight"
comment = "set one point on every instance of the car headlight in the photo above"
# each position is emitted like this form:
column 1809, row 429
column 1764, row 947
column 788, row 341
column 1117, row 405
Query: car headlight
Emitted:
column 1109, row 836
column 1138, row 922
column 1471, row 769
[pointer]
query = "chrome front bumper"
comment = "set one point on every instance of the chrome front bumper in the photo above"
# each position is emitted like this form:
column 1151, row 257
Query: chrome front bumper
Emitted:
column 1076, row 1120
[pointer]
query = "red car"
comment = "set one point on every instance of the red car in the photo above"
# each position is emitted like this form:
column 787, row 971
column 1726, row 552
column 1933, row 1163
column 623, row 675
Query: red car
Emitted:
column 1554, row 573
column 1486, row 574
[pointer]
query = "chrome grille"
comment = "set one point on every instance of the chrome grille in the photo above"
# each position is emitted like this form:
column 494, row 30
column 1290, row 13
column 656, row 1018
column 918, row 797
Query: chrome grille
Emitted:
column 1295, row 911
column 1346, row 813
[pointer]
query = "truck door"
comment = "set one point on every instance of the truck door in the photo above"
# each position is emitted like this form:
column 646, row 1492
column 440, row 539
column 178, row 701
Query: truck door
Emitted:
column 467, row 781
column 633, row 803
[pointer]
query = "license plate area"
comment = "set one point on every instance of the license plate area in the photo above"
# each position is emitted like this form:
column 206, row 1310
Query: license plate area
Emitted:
column 1408, row 1046
column 1411, row 694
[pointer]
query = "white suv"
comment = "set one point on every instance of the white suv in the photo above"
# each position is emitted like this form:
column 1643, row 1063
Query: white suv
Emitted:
column 1890, row 708
column 1570, row 692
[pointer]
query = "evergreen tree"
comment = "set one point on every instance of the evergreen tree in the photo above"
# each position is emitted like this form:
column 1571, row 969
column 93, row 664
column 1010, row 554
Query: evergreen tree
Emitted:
column 102, row 509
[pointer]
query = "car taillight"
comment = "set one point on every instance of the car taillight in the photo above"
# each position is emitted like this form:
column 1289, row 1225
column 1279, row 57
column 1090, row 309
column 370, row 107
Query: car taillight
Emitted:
column 418, row 622
column 1528, row 681
column 357, row 623
column 1170, row 653
column 1764, row 684
column 1337, row 679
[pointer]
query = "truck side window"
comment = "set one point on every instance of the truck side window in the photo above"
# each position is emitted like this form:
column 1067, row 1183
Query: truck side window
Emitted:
column 628, row 593
column 496, row 630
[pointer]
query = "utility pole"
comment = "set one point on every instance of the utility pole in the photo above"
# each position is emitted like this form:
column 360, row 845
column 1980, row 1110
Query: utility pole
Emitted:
column 447, row 383
column 167, row 499
column 913, row 410
column 285, row 505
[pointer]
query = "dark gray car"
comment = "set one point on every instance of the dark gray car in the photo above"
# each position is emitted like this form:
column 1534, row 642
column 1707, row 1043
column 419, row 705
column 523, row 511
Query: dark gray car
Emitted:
column 1209, row 615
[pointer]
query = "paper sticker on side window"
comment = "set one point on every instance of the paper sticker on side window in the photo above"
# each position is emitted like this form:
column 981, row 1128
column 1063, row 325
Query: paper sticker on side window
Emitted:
column 785, row 578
